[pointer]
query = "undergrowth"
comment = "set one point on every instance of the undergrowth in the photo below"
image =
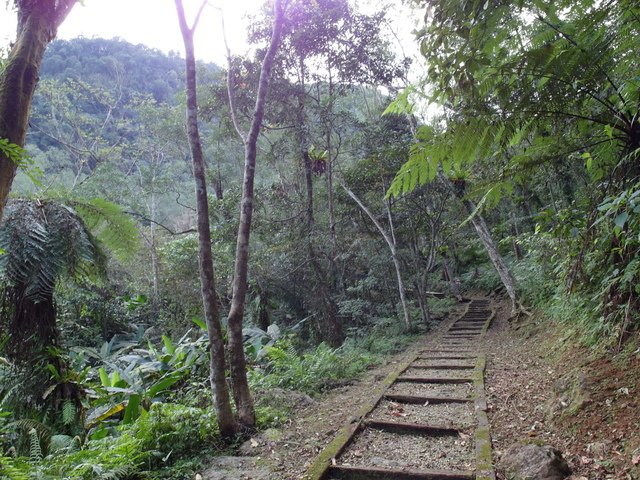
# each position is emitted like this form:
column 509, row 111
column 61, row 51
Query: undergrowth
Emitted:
column 168, row 435
column 312, row 371
column 323, row 367
column 171, row 440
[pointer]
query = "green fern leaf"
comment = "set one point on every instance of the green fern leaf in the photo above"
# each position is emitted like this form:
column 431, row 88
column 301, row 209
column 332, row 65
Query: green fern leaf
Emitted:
column 35, row 450
column 68, row 413
column 110, row 225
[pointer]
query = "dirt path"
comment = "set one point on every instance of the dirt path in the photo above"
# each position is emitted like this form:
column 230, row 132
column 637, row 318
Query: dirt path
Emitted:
column 586, row 406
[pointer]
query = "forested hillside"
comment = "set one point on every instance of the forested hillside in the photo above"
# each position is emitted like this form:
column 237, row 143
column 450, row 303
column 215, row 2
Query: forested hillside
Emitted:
column 171, row 288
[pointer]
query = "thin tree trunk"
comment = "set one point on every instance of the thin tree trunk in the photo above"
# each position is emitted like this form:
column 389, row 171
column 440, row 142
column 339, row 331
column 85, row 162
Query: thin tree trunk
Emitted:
column 422, row 303
column 453, row 285
column 420, row 279
column 515, row 234
column 331, row 329
column 490, row 246
column 38, row 24
column 336, row 277
column 390, row 239
column 155, row 268
column 217, row 377
column 487, row 240
column 241, row 393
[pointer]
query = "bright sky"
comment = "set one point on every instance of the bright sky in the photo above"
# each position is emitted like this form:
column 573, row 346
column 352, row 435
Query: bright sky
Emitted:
column 151, row 22
column 154, row 23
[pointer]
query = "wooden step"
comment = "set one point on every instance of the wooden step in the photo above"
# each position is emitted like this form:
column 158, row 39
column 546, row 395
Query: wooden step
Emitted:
column 424, row 400
column 434, row 380
column 444, row 367
column 405, row 427
column 342, row 472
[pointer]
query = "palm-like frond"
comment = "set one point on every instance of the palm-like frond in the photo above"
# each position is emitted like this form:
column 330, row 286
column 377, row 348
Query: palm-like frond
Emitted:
column 42, row 241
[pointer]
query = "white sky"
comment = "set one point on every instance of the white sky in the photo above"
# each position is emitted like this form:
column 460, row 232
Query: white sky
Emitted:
column 154, row 23
column 151, row 22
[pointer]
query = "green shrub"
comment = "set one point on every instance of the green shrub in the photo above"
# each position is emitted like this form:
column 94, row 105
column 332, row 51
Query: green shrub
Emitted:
column 581, row 319
column 310, row 372
column 387, row 337
column 172, row 430
column 167, row 435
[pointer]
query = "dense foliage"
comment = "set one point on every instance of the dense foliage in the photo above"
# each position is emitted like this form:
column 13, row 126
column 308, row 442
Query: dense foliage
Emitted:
column 513, row 157
column 539, row 114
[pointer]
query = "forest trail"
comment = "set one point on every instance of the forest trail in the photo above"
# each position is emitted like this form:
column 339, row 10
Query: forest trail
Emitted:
column 429, row 420
column 524, row 366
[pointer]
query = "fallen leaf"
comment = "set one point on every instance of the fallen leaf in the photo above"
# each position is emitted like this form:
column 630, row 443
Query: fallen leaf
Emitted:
column 635, row 459
column 254, row 443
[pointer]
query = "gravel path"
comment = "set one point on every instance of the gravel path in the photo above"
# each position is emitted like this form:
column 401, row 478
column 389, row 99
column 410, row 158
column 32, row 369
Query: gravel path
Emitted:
column 458, row 390
column 455, row 415
column 390, row 450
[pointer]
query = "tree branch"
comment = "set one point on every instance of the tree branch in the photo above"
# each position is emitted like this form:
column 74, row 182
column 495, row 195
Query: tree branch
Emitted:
column 161, row 225
column 230, row 86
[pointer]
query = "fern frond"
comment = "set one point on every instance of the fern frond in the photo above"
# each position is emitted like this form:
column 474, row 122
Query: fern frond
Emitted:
column 64, row 443
column 35, row 450
column 110, row 225
column 68, row 412
column 118, row 473
column 13, row 469
column 27, row 425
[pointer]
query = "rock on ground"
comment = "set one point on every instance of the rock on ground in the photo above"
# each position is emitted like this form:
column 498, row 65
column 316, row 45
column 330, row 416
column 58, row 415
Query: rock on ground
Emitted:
column 534, row 462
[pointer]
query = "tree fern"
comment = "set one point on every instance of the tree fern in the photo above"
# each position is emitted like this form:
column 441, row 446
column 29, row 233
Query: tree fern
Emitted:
column 44, row 240
column 110, row 224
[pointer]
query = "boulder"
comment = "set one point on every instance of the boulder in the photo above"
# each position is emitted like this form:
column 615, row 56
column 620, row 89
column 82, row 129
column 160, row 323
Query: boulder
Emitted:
column 535, row 462
column 570, row 395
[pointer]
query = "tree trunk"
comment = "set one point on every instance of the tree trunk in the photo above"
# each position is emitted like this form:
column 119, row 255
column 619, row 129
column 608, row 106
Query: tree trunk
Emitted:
column 390, row 239
column 217, row 377
column 337, row 283
column 498, row 262
column 331, row 328
column 453, row 284
column 420, row 279
column 38, row 24
column 155, row 267
column 241, row 393
column 422, row 303
column 515, row 234
column 487, row 240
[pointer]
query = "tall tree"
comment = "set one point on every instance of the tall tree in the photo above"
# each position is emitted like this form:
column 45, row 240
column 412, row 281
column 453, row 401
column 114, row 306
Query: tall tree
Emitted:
column 38, row 23
column 226, row 420
column 241, row 393
column 390, row 239
column 327, row 48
